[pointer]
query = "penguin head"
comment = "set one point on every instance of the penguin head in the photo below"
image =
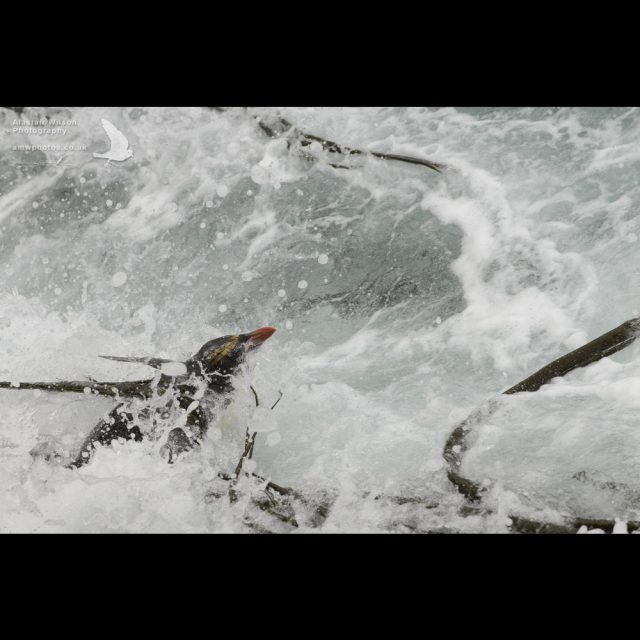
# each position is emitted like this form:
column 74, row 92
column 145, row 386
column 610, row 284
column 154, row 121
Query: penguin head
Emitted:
column 223, row 355
column 217, row 360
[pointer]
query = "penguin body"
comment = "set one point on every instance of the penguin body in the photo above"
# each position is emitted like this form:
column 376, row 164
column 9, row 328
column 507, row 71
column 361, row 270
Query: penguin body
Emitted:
column 174, row 407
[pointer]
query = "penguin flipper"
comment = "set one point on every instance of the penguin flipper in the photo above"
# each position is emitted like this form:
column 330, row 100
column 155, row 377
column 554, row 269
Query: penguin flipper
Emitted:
column 137, row 388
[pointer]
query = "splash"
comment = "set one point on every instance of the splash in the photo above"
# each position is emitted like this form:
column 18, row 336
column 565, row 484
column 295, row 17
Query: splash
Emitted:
column 425, row 293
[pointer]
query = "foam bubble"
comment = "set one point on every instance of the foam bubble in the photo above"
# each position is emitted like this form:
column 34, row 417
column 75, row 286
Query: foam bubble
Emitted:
column 118, row 279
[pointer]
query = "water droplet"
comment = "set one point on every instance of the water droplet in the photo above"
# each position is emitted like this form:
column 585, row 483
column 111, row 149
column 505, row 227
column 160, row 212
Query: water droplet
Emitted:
column 273, row 439
column 175, row 369
column 118, row 279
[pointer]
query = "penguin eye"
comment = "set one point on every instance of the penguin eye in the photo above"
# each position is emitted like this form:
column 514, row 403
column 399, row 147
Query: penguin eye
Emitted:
column 215, row 356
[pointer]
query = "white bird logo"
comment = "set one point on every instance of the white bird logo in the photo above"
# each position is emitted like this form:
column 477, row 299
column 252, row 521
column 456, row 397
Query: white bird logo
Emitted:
column 119, row 151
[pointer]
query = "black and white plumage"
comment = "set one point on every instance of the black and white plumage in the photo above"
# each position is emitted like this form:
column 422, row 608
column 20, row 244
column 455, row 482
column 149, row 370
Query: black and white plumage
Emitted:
column 180, row 394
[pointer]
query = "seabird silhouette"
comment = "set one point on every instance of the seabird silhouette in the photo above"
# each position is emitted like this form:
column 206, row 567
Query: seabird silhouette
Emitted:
column 119, row 151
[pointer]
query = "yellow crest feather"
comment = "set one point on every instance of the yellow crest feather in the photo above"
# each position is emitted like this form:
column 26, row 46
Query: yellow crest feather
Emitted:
column 219, row 354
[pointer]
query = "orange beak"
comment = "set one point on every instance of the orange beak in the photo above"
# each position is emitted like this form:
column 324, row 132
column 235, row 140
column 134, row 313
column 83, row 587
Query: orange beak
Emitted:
column 258, row 336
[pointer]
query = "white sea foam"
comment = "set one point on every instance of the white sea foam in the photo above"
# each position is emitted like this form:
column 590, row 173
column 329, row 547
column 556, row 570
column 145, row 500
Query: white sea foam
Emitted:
column 425, row 294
